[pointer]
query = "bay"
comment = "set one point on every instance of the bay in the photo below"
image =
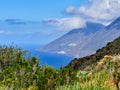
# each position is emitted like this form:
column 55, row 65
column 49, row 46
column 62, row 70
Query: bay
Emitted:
column 51, row 59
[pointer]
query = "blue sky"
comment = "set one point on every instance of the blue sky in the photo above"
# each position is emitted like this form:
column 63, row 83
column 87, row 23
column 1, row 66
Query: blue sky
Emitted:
column 35, row 9
column 42, row 21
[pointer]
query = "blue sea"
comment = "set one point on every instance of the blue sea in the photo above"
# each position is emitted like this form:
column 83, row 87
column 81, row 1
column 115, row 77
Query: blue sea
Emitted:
column 51, row 59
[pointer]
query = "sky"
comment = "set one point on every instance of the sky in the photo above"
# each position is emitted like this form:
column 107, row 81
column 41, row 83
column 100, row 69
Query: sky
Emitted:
column 35, row 9
column 42, row 21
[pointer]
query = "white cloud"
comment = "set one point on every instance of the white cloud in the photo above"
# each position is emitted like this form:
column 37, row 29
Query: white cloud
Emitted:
column 66, row 23
column 5, row 32
column 98, row 10
column 69, row 9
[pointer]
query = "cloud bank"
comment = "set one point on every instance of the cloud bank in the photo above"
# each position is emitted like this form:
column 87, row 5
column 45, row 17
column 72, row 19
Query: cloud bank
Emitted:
column 65, row 23
column 100, row 11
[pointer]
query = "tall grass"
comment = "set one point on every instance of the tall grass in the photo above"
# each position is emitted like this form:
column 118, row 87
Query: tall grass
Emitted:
column 5, row 88
column 94, row 81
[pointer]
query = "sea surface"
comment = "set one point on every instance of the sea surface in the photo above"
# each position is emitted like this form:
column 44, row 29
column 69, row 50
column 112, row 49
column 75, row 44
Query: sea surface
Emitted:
column 51, row 59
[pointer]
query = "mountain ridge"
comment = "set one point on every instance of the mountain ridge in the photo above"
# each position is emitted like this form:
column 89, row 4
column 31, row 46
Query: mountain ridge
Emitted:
column 84, row 41
column 71, row 39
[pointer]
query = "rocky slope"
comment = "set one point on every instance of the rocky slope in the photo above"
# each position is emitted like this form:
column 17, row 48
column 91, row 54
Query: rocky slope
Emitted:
column 111, row 48
column 84, row 41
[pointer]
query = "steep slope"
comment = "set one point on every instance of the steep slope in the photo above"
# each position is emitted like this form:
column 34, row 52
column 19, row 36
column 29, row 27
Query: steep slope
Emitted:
column 85, row 41
column 99, row 39
column 111, row 48
column 70, row 40
column 89, row 45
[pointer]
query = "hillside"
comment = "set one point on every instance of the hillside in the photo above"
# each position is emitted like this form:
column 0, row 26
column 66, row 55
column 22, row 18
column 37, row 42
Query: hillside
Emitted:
column 67, row 43
column 111, row 48
column 21, row 71
column 84, row 41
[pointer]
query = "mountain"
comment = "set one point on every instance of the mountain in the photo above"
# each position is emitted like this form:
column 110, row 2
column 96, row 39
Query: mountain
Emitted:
column 69, row 41
column 111, row 48
column 84, row 41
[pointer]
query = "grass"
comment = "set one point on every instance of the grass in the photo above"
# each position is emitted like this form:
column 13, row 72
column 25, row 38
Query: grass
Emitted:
column 94, row 81
column 91, row 81
column 99, row 78
column 5, row 88
column 20, row 73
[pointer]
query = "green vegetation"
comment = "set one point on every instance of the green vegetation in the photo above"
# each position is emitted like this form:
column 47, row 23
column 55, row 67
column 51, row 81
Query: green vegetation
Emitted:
column 20, row 71
column 111, row 48
column 97, row 81
column 104, row 76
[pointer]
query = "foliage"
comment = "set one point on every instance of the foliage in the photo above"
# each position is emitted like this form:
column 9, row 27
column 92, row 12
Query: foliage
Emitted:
column 111, row 48
column 112, row 63
column 94, row 81
column 19, row 71
column 104, row 76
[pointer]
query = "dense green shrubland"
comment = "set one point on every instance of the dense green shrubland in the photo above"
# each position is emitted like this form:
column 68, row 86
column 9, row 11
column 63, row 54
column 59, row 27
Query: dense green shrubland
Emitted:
column 21, row 71
column 18, row 70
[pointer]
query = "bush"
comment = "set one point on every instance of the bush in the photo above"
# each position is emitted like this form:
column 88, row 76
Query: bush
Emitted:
column 21, row 71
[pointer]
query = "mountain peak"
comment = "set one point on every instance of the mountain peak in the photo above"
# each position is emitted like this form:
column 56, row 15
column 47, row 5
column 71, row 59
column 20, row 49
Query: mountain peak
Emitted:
column 88, row 24
column 84, row 41
column 88, row 29
column 92, row 27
